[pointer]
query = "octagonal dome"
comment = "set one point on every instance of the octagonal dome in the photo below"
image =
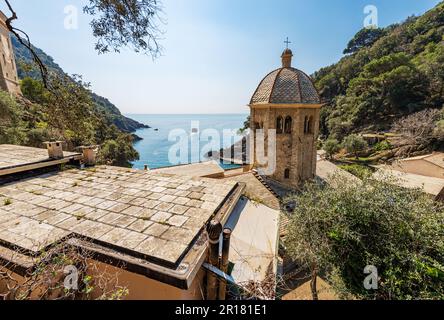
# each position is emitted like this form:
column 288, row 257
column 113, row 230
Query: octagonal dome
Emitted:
column 286, row 85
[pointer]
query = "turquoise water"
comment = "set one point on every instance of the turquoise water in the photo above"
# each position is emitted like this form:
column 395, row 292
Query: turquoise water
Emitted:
column 155, row 146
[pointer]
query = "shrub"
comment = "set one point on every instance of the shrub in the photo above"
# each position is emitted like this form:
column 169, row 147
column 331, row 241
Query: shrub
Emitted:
column 354, row 144
column 331, row 147
column 48, row 279
column 119, row 152
column 342, row 230
column 357, row 170
column 382, row 146
column 11, row 124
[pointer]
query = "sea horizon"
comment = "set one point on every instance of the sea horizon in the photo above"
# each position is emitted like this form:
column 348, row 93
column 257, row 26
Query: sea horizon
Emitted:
column 186, row 114
column 154, row 148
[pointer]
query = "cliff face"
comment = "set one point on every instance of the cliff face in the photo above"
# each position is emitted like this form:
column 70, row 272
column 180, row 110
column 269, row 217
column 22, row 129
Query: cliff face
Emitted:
column 23, row 57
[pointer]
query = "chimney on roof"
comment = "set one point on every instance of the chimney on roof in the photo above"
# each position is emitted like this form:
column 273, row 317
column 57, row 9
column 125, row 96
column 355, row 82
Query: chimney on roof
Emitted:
column 55, row 149
column 89, row 155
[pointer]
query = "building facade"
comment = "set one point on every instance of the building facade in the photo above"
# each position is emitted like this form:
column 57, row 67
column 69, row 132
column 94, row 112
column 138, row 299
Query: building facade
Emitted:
column 8, row 70
column 287, row 102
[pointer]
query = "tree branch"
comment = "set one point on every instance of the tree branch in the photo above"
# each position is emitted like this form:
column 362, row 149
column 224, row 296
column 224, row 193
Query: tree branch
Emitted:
column 27, row 44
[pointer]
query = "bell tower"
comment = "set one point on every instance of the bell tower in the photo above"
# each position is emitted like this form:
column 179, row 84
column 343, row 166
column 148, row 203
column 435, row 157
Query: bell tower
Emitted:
column 286, row 102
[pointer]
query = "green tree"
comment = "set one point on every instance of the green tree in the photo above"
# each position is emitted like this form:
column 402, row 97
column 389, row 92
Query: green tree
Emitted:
column 126, row 23
column 115, row 24
column 34, row 90
column 246, row 125
column 11, row 124
column 331, row 147
column 354, row 144
column 118, row 152
column 364, row 38
column 398, row 74
column 68, row 112
column 360, row 171
column 342, row 230
column 431, row 62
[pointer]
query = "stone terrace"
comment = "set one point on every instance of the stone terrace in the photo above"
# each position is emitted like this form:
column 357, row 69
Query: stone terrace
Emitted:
column 151, row 216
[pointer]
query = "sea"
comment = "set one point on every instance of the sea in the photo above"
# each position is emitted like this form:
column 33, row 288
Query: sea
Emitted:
column 159, row 146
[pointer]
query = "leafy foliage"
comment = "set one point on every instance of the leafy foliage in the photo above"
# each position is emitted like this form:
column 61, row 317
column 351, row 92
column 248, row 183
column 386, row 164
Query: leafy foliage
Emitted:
column 246, row 125
column 26, row 70
column 354, row 144
column 126, row 23
column 358, row 170
column 117, row 152
column 382, row 146
column 346, row 228
column 364, row 38
column 331, row 146
column 67, row 113
column 11, row 124
column 388, row 74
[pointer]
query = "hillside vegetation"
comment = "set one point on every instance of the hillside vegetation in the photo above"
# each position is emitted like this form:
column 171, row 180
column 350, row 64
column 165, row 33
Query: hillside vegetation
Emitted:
column 386, row 75
column 69, row 111
column 24, row 58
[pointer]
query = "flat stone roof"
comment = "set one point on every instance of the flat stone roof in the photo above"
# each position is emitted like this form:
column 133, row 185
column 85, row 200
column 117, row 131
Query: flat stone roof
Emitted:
column 431, row 185
column 202, row 169
column 15, row 158
column 150, row 216
column 436, row 158
column 255, row 190
column 326, row 170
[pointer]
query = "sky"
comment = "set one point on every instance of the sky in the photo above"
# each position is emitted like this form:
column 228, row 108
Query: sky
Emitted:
column 215, row 52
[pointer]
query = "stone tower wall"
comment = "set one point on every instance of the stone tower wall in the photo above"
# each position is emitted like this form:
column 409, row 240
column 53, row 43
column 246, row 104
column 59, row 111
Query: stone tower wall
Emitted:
column 295, row 151
column 8, row 70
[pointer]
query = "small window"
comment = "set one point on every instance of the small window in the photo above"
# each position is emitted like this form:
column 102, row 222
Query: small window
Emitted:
column 288, row 124
column 287, row 174
column 308, row 125
column 279, row 125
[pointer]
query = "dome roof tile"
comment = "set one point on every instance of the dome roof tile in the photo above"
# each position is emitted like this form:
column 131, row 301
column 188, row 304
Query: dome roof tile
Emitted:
column 286, row 86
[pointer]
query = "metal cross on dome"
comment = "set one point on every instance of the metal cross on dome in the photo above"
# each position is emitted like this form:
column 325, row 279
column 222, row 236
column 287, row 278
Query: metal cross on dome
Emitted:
column 287, row 42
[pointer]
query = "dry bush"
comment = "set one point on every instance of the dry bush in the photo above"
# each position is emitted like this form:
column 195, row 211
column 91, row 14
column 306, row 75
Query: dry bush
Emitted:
column 419, row 128
column 259, row 290
column 52, row 270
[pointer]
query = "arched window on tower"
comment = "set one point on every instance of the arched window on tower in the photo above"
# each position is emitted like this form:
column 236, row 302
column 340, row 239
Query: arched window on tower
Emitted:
column 279, row 125
column 287, row 174
column 308, row 125
column 288, row 124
